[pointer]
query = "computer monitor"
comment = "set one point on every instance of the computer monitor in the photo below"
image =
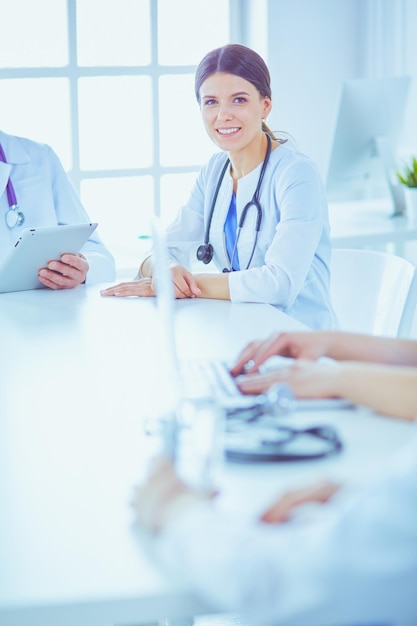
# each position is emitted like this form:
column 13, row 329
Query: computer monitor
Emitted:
column 364, row 142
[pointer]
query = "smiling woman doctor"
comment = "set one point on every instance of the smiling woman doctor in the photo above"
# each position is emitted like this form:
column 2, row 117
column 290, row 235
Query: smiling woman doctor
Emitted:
column 257, row 210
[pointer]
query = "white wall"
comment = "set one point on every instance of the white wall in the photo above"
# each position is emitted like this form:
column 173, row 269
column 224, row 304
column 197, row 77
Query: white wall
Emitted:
column 410, row 67
column 313, row 45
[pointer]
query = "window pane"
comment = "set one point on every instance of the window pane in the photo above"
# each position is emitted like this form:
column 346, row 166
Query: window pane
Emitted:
column 198, row 26
column 39, row 109
column 175, row 191
column 183, row 138
column 123, row 208
column 33, row 34
column 115, row 118
column 113, row 33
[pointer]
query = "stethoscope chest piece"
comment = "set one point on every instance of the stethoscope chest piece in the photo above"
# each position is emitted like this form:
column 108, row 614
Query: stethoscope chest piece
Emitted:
column 205, row 253
column 14, row 217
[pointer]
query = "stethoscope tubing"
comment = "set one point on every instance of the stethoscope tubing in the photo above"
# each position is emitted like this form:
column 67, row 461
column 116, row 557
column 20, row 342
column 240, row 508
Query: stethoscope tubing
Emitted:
column 14, row 217
column 206, row 247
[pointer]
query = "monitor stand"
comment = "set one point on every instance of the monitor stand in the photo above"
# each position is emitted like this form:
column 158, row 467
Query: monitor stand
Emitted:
column 386, row 154
column 398, row 198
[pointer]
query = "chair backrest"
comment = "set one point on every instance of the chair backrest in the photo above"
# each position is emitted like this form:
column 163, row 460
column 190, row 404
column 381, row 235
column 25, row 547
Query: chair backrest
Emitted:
column 373, row 292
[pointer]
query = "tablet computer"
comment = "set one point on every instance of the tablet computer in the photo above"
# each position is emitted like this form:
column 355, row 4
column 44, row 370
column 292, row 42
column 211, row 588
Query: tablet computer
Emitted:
column 35, row 248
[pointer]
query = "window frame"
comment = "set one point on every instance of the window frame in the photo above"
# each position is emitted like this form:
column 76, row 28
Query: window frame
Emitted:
column 238, row 19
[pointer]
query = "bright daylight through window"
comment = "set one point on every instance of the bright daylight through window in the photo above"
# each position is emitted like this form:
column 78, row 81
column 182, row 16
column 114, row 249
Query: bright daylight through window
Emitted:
column 110, row 87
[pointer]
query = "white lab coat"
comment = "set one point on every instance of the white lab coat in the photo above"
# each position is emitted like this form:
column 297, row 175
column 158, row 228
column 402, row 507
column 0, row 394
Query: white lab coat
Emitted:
column 355, row 564
column 290, row 266
column 46, row 197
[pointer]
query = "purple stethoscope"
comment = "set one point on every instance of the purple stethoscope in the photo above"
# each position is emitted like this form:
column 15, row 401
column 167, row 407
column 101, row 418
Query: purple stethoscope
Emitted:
column 14, row 217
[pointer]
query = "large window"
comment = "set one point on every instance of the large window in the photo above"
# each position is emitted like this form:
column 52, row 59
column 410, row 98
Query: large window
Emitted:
column 109, row 85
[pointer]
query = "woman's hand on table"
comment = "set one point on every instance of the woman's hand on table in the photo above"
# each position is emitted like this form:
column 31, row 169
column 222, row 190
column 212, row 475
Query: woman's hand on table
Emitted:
column 185, row 285
column 142, row 287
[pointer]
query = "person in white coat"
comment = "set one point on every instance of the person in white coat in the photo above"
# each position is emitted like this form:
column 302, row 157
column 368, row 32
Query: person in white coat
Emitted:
column 352, row 562
column 258, row 208
column 36, row 191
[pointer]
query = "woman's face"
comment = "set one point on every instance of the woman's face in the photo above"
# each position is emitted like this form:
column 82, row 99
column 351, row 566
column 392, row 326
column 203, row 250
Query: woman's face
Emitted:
column 232, row 110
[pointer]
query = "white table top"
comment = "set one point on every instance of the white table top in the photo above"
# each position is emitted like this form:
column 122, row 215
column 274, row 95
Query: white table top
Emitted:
column 368, row 223
column 79, row 374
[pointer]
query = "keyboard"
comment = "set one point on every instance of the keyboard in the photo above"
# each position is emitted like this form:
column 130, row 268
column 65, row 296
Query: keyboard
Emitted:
column 202, row 377
column 212, row 377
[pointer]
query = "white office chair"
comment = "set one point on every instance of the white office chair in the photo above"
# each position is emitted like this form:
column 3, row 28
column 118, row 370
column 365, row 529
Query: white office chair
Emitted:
column 373, row 292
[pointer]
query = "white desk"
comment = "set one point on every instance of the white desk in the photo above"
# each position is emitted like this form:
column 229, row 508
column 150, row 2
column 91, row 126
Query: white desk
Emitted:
column 369, row 224
column 79, row 374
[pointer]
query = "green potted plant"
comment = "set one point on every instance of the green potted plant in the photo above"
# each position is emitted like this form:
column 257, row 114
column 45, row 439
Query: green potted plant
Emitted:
column 408, row 175
column 408, row 178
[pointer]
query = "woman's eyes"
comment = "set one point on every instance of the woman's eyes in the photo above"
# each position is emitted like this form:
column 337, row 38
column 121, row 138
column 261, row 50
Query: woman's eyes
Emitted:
column 237, row 100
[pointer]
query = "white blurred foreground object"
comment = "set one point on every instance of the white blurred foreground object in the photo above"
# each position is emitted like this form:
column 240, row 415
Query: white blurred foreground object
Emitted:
column 200, row 451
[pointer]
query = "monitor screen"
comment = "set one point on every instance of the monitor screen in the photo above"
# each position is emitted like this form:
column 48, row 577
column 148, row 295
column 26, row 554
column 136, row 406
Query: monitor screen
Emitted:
column 368, row 126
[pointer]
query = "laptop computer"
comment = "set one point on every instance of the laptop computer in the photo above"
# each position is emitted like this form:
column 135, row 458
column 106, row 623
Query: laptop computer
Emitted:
column 197, row 377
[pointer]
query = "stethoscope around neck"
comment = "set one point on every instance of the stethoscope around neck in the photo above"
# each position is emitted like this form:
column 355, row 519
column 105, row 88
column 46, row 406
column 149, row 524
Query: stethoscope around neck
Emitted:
column 14, row 217
column 205, row 251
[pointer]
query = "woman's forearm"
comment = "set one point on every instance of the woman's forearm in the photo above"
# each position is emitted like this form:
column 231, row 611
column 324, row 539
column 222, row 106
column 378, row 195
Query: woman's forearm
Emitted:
column 214, row 286
column 357, row 347
column 388, row 390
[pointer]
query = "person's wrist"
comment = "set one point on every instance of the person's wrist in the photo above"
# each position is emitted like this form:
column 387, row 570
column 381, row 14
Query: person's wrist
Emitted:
column 327, row 341
column 145, row 268
column 335, row 381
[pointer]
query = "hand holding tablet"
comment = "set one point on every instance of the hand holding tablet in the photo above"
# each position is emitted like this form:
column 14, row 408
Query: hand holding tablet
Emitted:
column 54, row 248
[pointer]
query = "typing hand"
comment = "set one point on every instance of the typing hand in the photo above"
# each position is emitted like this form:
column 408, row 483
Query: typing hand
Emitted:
column 305, row 378
column 304, row 345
